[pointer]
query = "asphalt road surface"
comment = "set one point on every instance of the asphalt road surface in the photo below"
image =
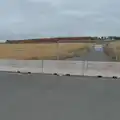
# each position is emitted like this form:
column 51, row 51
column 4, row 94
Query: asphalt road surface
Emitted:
column 93, row 55
column 47, row 97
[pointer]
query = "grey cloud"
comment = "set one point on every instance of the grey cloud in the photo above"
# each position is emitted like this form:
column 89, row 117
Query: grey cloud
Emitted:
column 47, row 18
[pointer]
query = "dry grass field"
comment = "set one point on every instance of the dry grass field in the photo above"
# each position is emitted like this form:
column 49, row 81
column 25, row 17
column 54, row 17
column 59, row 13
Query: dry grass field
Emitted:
column 41, row 51
column 113, row 50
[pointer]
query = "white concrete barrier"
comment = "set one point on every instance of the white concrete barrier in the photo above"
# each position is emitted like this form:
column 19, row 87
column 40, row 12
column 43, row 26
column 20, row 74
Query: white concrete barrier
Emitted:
column 86, row 68
column 6, row 65
column 4, row 62
column 34, row 66
column 105, row 69
column 63, row 67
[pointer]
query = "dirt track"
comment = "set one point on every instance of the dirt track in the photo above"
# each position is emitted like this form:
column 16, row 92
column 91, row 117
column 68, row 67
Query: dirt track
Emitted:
column 93, row 55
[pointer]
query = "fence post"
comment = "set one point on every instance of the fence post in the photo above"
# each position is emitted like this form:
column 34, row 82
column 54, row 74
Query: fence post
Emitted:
column 57, row 50
column 42, row 66
column 85, row 67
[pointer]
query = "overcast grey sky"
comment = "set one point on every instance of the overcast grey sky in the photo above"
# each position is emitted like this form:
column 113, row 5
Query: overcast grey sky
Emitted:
column 21, row 19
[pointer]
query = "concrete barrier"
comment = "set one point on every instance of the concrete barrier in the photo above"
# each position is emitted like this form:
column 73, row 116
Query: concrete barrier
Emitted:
column 6, row 65
column 63, row 67
column 105, row 69
column 34, row 66
column 86, row 68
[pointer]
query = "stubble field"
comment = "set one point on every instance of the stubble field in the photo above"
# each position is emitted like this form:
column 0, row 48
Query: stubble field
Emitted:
column 42, row 51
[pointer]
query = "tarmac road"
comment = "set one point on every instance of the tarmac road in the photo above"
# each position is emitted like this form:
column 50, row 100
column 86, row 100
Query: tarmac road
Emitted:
column 93, row 56
column 47, row 97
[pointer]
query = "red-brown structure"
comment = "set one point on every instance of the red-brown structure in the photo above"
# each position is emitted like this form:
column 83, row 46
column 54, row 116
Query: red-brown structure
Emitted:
column 53, row 40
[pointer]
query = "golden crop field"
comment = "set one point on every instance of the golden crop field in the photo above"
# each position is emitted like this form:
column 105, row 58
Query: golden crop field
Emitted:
column 39, row 51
